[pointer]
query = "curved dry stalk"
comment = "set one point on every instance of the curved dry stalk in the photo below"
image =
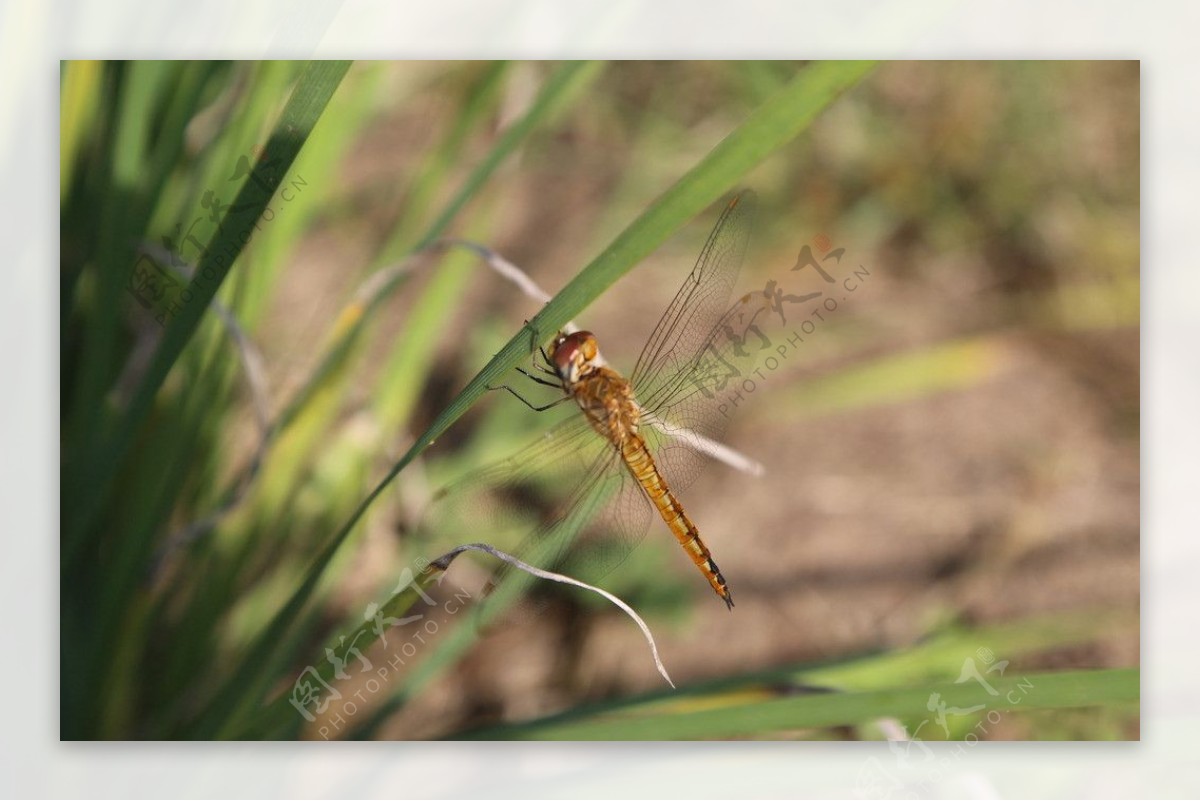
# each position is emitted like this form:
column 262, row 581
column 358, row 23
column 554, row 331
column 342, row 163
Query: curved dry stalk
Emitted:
column 252, row 367
column 369, row 292
column 709, row 447
column 507, row 270
column 443, row 562
column 248, row 353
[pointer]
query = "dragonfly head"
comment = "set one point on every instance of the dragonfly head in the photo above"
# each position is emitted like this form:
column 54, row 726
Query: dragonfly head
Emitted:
column 575, row 355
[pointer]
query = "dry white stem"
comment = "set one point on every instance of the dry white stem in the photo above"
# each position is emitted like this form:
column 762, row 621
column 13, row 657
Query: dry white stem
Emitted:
column 443, row 562
column 508, row 271
column 248, row 353
column 709, row 447
column 252, row 366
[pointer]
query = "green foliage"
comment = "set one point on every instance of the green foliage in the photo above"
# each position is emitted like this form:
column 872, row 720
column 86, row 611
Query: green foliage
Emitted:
column 793, row 701
column 1064, row 689
column 174, row 630
column 153, row 145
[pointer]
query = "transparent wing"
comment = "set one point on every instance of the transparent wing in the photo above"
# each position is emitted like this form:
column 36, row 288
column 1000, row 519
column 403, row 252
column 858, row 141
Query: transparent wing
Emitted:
column 531, row 490
column 673, row 377
column 615, row 525
column 564, row 503
column 687, row 325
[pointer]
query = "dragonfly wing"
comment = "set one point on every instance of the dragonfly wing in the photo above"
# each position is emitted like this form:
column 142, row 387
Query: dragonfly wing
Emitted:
column 618, row 523
column 691, row 320
column 673, row 376
column 564, row 503
column 528, row 491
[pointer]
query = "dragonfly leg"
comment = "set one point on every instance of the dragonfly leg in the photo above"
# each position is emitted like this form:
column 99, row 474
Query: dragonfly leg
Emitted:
column 518, row 396
column 548, row 367
column 542, row 381
column 533, row 337
column 535, row 348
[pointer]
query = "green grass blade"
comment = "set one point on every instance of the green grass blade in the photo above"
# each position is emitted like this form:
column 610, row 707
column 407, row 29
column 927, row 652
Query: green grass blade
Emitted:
column 567, row 79
column 897, row 378
column 480, row 101
column 354, row 318
column 251, row 677
column 281, row 715
column 313, row 90
column 127, row 182
column 1061, row 690
column 81, row 91
column 933, row 661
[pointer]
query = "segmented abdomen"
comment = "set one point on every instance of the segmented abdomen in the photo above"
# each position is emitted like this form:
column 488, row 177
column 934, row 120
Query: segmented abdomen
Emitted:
column 641, row 464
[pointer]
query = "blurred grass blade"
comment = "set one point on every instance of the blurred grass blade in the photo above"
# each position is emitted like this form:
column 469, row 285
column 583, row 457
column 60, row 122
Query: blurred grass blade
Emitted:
column 282, row 715
column 353, row 318
column 1061, row 690
column 896, row 378
column 314, row 88
column 250, row 679
column 81, row 92
column 568, row 78
column 932, row 661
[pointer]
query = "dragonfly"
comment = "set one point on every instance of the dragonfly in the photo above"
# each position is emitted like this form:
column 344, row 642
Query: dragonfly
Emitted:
column 637, row 442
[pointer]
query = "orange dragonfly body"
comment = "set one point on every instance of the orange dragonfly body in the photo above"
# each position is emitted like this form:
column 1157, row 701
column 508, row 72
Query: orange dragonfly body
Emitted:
column 607, row 401
column 638, row 441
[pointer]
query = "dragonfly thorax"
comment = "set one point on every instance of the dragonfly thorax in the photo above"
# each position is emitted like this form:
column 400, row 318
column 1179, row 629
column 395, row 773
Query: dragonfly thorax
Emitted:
column 605, row 397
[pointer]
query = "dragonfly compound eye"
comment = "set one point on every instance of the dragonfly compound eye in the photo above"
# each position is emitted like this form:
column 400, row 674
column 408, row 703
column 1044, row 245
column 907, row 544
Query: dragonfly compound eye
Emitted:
column 565, row 355
column 588, row 346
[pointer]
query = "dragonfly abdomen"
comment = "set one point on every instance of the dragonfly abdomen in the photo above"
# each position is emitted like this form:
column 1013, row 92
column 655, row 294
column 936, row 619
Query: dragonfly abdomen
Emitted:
column 641, row 464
